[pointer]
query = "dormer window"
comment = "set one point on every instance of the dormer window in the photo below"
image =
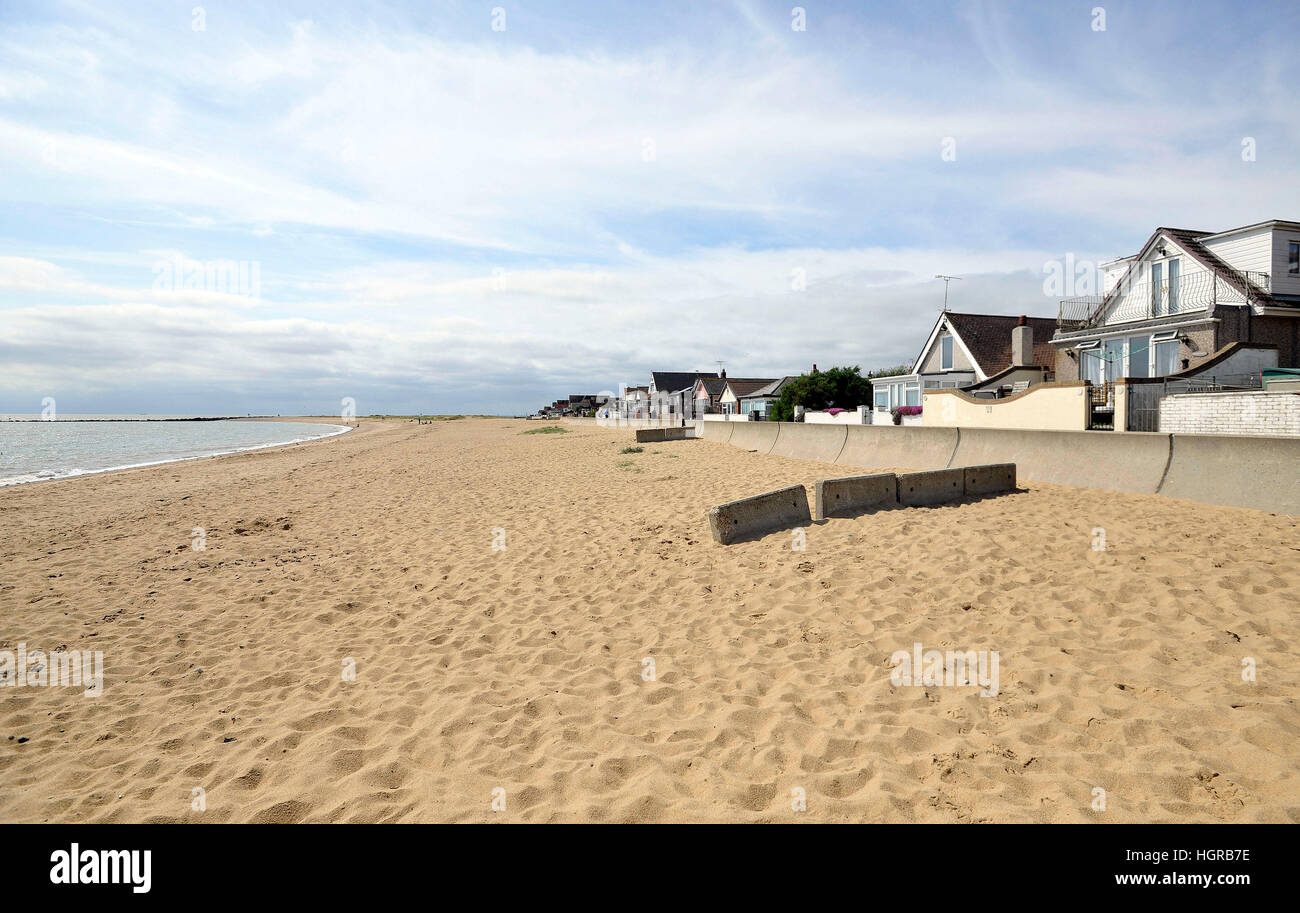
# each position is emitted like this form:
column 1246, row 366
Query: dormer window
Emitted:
column 1293, row 259
column 945, row 353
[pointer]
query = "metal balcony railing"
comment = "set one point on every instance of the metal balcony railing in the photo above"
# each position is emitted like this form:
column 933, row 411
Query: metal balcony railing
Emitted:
column 1144, row 299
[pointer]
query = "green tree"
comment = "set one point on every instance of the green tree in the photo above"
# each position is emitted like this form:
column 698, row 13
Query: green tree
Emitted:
column 842, row 387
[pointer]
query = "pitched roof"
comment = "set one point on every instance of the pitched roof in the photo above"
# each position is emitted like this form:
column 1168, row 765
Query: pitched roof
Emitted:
column 672, row 381
column 712, row 385
column 1189, row 240
column 988, row 339
column 772, row 389
column 744, row 386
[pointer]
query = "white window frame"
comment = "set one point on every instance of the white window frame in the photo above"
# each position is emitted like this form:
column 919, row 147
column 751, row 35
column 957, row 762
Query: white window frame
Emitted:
column 1165, row 337
column 946, row 357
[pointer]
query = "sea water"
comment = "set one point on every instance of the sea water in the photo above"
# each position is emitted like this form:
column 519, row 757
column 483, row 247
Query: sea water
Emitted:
column 35, row 450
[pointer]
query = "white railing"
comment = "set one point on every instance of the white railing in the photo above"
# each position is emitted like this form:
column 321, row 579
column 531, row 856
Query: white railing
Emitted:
column 1144, row 299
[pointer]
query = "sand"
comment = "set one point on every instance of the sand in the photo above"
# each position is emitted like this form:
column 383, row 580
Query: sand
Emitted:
column 519, row 674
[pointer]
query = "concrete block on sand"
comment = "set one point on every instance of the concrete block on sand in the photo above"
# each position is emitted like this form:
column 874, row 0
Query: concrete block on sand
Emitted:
column 990, row 478
column 854, row 494
column 655, row 435
column 785, row 508
column 933, row 487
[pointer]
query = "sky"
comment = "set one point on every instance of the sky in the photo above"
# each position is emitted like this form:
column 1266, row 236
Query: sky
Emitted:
column 267, row 208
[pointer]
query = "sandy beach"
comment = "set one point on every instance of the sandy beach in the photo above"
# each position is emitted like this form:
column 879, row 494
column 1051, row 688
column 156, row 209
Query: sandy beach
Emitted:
column 520, row 673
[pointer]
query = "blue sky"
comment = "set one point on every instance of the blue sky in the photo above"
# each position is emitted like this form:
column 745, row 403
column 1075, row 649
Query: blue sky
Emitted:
column 442, row 216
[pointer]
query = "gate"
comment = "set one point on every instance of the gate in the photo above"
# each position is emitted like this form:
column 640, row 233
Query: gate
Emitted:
column 1101, row 407
column 1143, row 406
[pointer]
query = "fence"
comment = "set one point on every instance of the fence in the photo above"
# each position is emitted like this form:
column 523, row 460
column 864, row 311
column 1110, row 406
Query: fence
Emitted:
column 1143, row 413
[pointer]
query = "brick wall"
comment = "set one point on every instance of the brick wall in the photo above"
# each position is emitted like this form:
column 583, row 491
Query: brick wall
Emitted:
column 1231, row 413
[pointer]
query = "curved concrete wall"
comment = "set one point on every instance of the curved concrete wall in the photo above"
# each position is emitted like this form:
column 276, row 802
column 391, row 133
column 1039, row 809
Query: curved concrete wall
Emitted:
column 821, row 443
column 899, row 447
column 1133, row 462
column 715, row 431
column 759, row 436
column 1236, row 470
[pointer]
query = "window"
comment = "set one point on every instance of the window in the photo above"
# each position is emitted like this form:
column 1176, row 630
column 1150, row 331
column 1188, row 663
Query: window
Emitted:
column 1089, row 361
column 1090, row 366
column 1175, row 268
column 1164, row 347
column 1293, row 259
column 1139, row 350
column 1157, row 283
column 1166, row 358
column 1114, row 357
column 945, row 353
column 912, row 395
column 882, row 399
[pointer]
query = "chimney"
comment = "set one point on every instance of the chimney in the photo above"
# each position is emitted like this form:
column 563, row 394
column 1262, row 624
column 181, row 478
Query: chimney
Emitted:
column 723, row 374
column 1022, row 343
column 814, row 370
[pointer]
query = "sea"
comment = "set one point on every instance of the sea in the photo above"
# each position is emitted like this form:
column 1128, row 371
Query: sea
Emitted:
column 36, row 450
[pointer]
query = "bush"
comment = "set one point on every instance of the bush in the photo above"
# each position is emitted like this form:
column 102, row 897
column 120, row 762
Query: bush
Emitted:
column 845, row 388
column 548, row 429
column 632, row 450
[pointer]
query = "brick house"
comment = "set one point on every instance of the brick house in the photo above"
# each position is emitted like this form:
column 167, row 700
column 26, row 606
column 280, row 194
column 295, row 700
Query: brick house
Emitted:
column 1187, row 298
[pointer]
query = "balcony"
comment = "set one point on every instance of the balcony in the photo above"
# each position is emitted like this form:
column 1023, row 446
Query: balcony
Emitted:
column 1144, row 300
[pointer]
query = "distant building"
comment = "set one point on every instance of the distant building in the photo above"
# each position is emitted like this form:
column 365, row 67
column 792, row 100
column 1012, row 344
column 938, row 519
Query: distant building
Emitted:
column 671, row 391
column 737, row 388
column 720, row 395
column 760, row 400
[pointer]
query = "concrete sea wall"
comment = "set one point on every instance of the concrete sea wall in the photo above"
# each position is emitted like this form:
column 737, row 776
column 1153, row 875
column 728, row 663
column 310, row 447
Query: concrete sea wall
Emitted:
column 1233, row 470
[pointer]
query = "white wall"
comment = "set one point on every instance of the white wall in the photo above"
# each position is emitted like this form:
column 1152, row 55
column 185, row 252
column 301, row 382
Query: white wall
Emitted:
column 1245, row 250
column 851, row 417
column 1283, row 282
column 1231, row 413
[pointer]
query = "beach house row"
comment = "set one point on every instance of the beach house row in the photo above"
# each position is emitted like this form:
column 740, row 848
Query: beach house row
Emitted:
column 1191, row 313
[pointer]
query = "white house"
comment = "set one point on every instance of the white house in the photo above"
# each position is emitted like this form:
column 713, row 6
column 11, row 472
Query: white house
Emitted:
column 1182, row 300
column 983, row 354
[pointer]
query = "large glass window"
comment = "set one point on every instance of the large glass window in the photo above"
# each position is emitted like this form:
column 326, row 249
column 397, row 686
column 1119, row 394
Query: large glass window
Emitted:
column 1090, row 365
column 1157, row 283
column 945, row 353
column 912, row 396
column 1139, row 350
column 1114, row 355
column 1175, row 269
column 1166, row 358
column 882, row 399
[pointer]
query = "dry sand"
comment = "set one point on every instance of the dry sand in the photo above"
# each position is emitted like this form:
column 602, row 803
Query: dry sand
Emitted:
column 522, row 669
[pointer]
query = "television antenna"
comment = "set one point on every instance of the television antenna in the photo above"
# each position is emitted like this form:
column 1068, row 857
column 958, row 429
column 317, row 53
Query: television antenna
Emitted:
column 946, row 280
